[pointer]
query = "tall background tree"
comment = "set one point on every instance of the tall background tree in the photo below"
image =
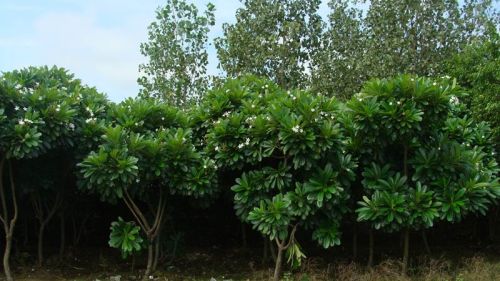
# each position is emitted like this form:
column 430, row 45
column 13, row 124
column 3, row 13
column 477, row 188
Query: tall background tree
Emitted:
column 272, row 38
column 176, row 52
column 388, row 38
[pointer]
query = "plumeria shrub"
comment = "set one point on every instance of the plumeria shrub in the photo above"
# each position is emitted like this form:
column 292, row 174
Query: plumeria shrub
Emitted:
column 40, row 122
column 146, row 154
column 423, row 160
column 290, row 150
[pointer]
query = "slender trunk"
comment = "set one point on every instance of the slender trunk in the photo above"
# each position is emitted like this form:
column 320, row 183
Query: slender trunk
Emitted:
column 426, row 243
column 277, row 268
column 370, row 247
column 243, row 235
column 406, row 250
column 272, row 250
column 26, row 233
column 62, row 244
column 132, row 267
column 41, row 210
column 354, row 242
column 6, row 257
column 4, row 217
column 157, row 252
column 149, row 267
column 492, row 218
column 265, row 257
column 40, row 244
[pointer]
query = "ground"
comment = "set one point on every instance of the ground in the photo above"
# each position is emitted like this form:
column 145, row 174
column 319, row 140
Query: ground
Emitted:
column 223, row 264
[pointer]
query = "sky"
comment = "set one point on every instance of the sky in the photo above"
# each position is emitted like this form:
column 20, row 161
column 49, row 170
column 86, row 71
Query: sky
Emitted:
column 97, row 40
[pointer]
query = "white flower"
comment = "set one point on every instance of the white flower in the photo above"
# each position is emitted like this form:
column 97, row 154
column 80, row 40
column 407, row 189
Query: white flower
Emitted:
column 21, row 122
column 163, row 119
column 247, row 141
column 16, row 108
column 58, row 109
column 137, row 180
column 226, row 114
column 454, row 100
column 227, row 91
column 253, row 105
column 266, row 86
column 294, row 98
column 390, row 103
column 296, row 128
column 217, row 148
column 241, row 145
column 71, row 126
column 268, row 118
column 434, row 84
column 313, row 110
column 24, row 108
column 398, row 102
column 204, row 166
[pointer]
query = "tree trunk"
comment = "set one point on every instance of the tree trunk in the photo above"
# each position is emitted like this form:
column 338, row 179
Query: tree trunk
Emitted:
column 157, row 252
column 492, row 218
column 40, row 244
column 6, row 257
column 426, row 242
column 149, row 267
column 406, row 250
column 370, row 247
column 7, row 222
column 277, row 268
column 354, row 242
column 62, row 244
column 243, row 235
column 265, row 256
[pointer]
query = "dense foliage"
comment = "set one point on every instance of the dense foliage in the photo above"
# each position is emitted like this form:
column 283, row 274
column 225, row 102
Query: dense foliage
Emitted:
column 289, row 148
column 176, row 52
column 423, row 161
column 377, row 39
column 43, row 117
column 273, row 39
column 404, row 150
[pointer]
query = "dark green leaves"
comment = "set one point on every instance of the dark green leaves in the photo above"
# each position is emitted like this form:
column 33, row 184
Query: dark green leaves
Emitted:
column 126, row 237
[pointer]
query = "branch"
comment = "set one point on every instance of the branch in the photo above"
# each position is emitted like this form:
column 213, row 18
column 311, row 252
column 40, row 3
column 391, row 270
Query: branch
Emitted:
column 4, row 216
column 13, row 190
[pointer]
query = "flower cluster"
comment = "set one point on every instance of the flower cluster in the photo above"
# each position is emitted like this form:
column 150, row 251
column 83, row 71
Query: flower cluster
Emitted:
column 454, row 100
column 241, row 145
column 297, row 129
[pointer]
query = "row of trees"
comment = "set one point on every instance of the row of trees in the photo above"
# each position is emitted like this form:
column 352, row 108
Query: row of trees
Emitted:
column 290, row 43
column 399, row 156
